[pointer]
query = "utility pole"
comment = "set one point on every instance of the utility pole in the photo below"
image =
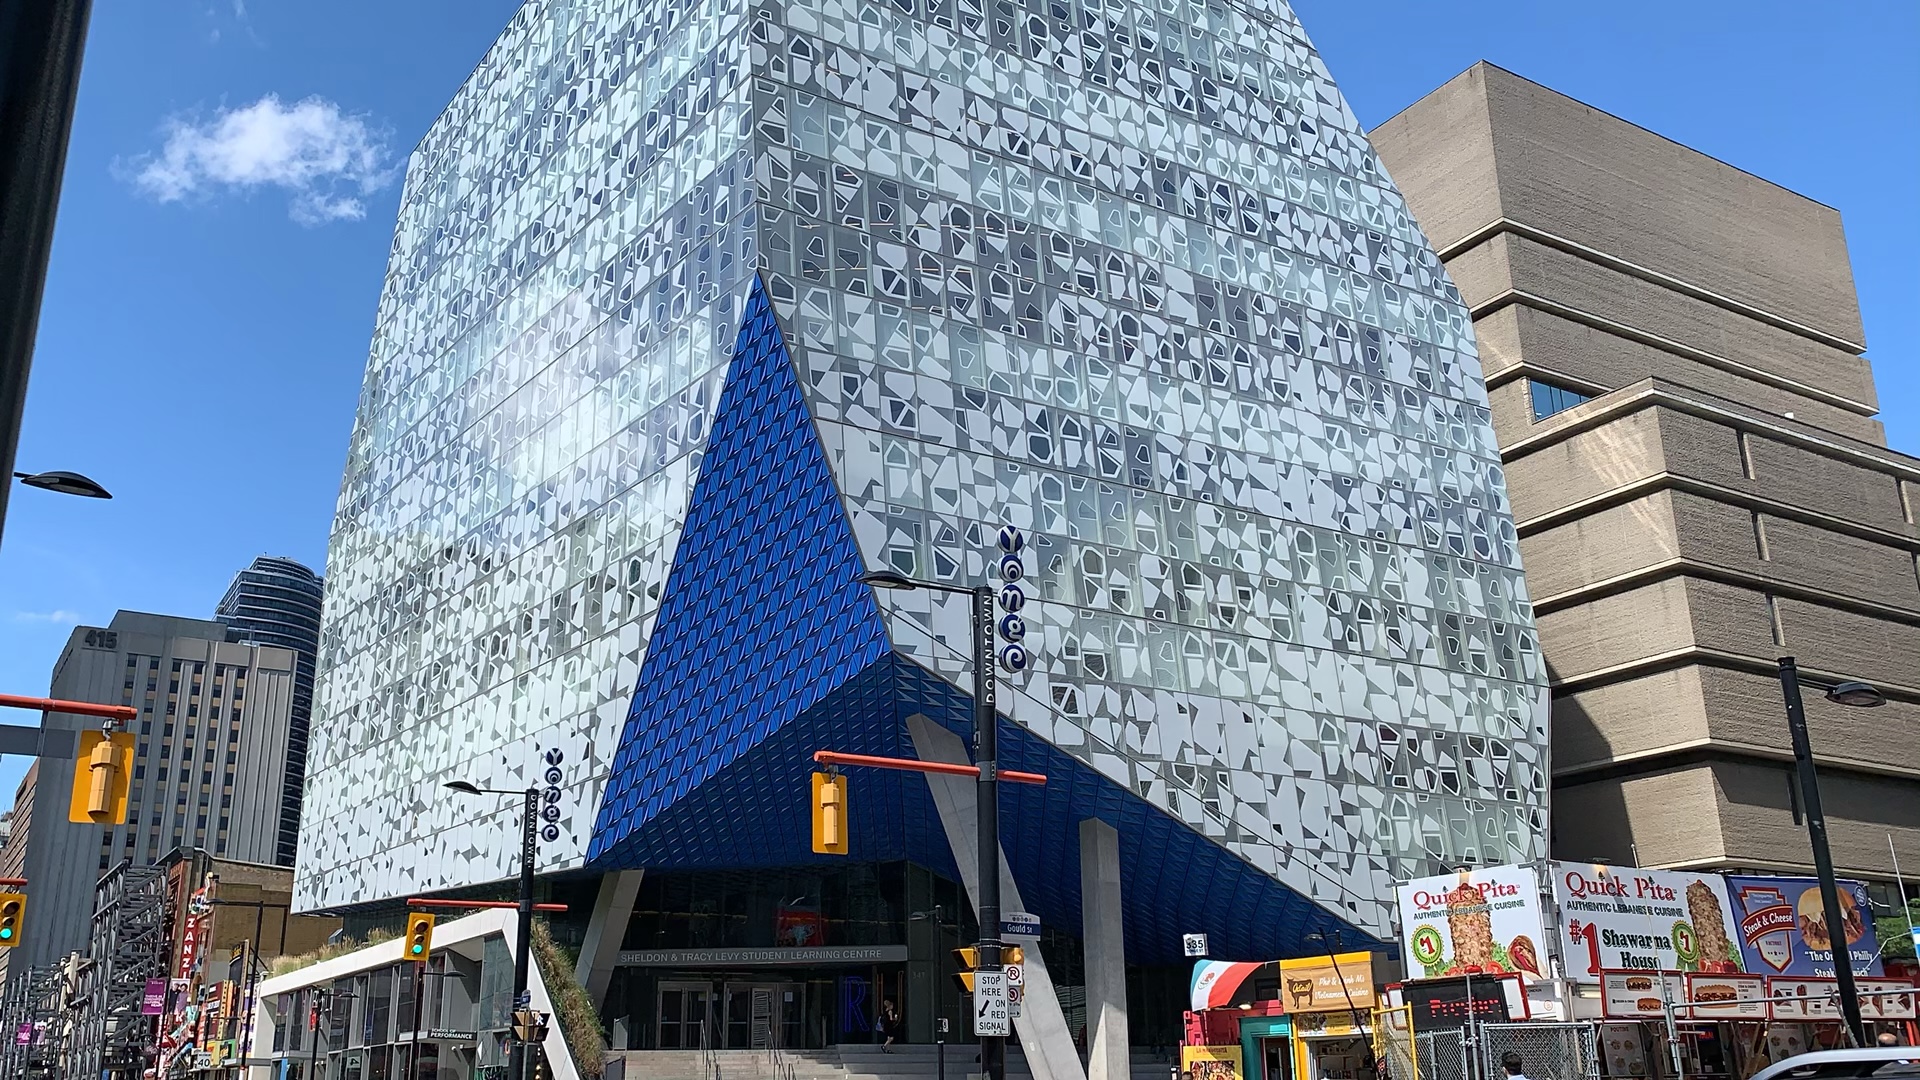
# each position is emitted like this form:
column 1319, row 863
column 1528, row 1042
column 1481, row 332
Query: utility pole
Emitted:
column 1822, row 857
column 41, row 43
column 993, row 1048
column 522, row 950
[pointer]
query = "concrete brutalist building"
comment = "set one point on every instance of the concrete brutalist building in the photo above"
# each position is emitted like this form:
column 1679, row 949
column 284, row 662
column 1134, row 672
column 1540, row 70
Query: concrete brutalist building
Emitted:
column 1673, row 354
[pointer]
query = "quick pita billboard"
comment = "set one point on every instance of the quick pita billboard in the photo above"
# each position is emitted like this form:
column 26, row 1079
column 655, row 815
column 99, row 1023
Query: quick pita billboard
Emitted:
column 1782, row 926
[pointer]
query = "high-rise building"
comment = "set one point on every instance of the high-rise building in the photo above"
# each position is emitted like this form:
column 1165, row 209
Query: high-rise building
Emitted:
column 1674, row 355
column 209, row 762
column 697, row 311
column 277, row 602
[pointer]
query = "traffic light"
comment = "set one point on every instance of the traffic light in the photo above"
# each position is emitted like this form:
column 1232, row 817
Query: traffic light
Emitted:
column 829, row 814
column 967, row 958
column 102, row 773
column 13, row 912
column 1012, row 954
column 419, row 944
column 530, row 1026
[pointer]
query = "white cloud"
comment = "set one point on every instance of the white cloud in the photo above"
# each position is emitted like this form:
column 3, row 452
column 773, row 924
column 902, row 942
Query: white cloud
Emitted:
column 323, row 158
column 62, row 617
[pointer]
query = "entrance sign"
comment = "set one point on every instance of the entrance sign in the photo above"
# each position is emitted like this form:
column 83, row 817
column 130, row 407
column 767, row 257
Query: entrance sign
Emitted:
column 990, row 1004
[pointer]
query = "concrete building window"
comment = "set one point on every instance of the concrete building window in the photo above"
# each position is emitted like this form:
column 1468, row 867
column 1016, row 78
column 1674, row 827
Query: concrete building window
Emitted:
column 1549, row 399
column 1773, row 616
column 1906, row 499
column 1760, row 537
column 1746, row 455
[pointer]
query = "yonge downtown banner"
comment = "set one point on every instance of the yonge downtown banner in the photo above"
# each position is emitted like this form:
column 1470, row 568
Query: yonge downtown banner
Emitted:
column 1783, row 926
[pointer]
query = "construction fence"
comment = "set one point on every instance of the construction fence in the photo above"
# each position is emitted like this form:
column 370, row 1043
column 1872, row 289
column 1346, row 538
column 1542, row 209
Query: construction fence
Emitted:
column 1547, row 1051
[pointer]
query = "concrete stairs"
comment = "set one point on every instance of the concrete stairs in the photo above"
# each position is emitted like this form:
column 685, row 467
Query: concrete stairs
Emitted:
column 848, row 1062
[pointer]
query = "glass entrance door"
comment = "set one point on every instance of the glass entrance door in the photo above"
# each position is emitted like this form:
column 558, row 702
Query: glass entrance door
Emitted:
column 763, row 1015
column 685, row 1009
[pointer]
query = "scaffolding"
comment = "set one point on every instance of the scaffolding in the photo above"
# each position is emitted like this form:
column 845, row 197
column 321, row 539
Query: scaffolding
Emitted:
column 111, row 1036
column 32, row 1014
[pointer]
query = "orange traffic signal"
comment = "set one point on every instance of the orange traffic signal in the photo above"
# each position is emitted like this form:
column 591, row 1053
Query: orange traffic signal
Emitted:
column 829, row 814
column 419, row 940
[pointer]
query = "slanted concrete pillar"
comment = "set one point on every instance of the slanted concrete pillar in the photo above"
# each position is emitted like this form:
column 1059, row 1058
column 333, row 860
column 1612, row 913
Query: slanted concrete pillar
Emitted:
column 1042, row 1027
column 1105, row 946
column 612, row 910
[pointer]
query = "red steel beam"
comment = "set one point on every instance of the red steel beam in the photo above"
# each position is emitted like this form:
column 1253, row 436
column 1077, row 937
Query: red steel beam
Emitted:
column 13, row 882
column 832, row 757
column 78, row 708
column 421, row 901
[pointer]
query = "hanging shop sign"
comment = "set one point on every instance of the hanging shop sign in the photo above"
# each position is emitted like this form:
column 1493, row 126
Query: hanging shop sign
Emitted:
column 1783, row 926
column 1720, row 996
column 1482, row 922
column 1327, row 983
column 1647, row 920
column 1638, row 995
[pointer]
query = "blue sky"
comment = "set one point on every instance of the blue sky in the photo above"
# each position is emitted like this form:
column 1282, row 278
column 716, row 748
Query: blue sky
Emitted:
column 232, row 181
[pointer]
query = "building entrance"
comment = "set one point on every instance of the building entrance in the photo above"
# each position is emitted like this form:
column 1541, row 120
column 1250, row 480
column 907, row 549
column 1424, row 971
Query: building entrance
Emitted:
column 686, row 1013
column 763, row 1015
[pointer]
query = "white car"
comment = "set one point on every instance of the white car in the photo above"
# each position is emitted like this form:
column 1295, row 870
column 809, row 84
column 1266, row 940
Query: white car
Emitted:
column 1879, row 1062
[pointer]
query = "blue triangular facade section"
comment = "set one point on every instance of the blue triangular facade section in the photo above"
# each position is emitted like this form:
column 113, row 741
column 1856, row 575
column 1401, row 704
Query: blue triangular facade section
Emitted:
column 755, row 812
column 762, row 615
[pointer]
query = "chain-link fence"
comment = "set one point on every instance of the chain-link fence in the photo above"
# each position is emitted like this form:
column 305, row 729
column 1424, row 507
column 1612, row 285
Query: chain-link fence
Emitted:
column 1547, row 1051
column 1393, row 1044
column 1443, row 1055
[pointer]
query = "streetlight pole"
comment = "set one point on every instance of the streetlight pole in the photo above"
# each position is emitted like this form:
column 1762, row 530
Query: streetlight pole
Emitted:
column 1847, row 693
column 993, row 1048
column 522, row 950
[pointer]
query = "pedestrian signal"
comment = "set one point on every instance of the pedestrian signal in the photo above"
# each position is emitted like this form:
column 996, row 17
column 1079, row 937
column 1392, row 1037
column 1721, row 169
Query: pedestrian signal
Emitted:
column 829, row 814
column 419, row 942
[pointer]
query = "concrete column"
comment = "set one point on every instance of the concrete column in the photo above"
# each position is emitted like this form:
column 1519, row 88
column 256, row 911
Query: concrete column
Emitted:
column 1106, row 958
column 612, row 909
column 1042, row 1027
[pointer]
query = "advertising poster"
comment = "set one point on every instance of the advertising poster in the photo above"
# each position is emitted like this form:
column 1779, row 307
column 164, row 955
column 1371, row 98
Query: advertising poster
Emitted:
column 1327, row 983
column 1804, row 999
column 1211, row 1062
column 1646, row 920
column 1633, row 995
column 1482, row 922
column 1783, row 926
column 1886, row 999
column 1728, row 997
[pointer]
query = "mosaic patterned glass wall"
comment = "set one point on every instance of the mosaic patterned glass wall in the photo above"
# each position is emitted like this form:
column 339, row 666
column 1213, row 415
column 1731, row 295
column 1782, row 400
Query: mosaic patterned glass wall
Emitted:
column 1125, row 274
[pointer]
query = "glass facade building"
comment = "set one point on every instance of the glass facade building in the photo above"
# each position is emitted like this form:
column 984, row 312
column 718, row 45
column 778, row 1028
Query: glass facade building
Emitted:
column 277, row 602
column 695, row 311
